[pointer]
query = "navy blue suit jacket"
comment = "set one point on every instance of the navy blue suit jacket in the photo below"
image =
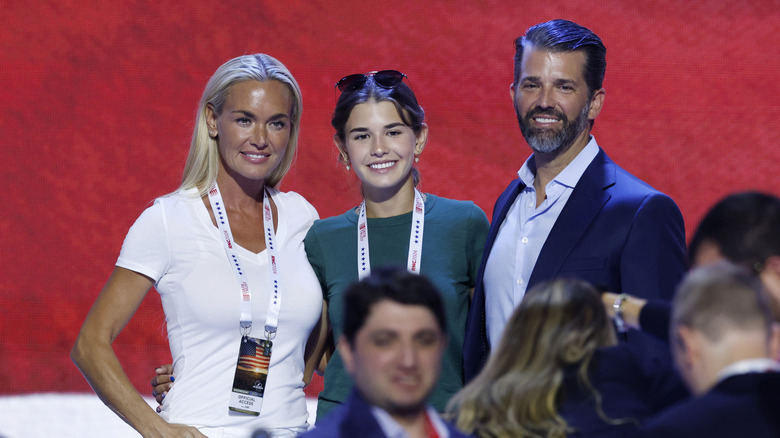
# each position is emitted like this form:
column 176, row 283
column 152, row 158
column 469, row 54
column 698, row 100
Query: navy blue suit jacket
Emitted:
column 746, row 405
column 615, row 232
column 354, row 419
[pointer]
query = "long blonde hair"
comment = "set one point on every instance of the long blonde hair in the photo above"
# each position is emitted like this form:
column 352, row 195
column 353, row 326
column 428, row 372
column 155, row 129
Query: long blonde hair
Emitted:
column 558, row 323
column 202, row 165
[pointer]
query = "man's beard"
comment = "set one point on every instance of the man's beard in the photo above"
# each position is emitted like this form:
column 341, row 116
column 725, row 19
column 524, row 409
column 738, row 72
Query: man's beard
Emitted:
column 546, row 141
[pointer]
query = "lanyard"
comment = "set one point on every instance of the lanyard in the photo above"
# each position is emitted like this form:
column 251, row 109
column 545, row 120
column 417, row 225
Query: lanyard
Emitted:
column 220, row 214
column 415, row 239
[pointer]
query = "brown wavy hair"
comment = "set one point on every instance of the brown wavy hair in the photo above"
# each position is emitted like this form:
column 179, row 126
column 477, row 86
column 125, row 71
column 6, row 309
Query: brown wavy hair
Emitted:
column 558, row 324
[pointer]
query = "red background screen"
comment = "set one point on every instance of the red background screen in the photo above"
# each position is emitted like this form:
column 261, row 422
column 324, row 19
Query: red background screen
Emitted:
column 98, row 102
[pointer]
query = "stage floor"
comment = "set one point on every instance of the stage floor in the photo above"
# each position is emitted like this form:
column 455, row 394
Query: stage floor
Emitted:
column 69, row 416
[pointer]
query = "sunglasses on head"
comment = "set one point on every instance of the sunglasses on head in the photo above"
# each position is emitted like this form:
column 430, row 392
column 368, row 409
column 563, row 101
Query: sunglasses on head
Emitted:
column 383, row 78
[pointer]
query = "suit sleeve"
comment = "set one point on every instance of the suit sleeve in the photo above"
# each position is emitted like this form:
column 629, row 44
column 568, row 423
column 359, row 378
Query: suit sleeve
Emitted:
column 654, row 258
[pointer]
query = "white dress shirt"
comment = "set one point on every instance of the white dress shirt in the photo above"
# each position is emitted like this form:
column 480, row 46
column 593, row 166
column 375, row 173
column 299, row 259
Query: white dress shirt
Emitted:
column 521, row 236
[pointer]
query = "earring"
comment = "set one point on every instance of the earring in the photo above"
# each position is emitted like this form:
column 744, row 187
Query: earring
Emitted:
column 417, row 159
column 348, row 167
column 212, row 133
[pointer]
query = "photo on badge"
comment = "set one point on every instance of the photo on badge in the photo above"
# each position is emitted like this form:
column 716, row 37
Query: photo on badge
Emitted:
column 254, row 358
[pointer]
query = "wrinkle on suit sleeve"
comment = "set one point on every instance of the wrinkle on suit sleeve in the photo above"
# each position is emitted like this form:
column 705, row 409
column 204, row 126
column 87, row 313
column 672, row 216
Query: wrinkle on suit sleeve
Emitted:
column 654, row 257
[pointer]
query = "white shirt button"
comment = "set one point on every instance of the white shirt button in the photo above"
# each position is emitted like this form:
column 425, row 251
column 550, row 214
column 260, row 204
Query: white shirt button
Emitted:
column 520, row 282
column 524, row 240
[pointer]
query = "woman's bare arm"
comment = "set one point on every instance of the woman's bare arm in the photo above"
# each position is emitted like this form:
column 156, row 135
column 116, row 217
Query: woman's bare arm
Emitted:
column 94, row 356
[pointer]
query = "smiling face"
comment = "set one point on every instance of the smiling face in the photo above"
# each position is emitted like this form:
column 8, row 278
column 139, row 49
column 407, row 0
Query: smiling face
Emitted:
column 551, row 100
column 396, row 356
column 253, row 129
column 381, row 148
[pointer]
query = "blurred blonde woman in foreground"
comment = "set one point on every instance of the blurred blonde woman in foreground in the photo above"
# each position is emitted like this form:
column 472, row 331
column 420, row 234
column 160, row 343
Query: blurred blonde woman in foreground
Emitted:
column 559, row 372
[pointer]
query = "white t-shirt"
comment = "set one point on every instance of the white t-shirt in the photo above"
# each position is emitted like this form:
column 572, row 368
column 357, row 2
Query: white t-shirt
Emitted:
column 175, row 243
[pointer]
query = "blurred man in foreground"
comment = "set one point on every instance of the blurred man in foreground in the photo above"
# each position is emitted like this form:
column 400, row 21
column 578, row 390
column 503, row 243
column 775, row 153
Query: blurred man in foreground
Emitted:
column 394, row 337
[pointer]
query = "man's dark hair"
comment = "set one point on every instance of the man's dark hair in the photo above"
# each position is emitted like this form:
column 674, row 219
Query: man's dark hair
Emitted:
column 559, row 36
column 745, row 226
column 394, row 284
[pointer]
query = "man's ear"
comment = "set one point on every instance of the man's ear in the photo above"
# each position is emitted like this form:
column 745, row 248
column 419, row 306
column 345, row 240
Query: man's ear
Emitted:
column 445, row 341
column 596, row 103
column 772, row 264
column 345, row 350
column 512, row 92
column 686, row 348
column 770, row 278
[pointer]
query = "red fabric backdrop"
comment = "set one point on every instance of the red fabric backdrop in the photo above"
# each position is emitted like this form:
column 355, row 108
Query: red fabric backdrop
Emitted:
column 98, row 100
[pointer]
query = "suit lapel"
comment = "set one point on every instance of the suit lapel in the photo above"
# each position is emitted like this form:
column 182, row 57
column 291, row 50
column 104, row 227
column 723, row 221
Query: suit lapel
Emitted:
column 585, row 203
column 505, row 203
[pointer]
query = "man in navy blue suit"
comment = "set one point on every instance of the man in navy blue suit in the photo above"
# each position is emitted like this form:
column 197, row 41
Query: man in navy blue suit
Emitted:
column 393, row 340
column 725, row 343
column 572, row 211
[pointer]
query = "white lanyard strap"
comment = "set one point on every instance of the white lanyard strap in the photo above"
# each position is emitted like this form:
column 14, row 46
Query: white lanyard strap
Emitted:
column 275, row 300
column 415, row 239
column 220, row 214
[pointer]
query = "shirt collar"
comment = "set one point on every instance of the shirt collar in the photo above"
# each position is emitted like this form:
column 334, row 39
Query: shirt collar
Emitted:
column 392, row 429
column 758, row 365
column 570, row 175
column 389, row 426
